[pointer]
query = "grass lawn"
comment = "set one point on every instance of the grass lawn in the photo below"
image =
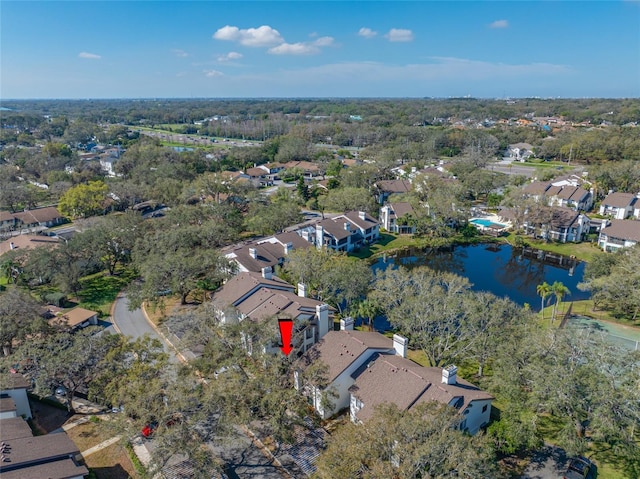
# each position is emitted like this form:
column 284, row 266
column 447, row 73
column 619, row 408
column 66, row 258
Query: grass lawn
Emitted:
column 391, row 242
column 112, row 462
column 582, row 251
column 99, row 290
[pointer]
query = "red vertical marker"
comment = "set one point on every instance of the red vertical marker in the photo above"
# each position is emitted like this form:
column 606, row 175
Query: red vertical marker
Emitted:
column 286, row 328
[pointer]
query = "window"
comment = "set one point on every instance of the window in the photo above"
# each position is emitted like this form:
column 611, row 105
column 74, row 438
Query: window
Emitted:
column 484, row 408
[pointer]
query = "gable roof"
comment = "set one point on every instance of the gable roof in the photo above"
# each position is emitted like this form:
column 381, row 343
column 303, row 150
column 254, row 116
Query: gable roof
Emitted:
column 339, row 349
column 27, row 242
column 623, row 229
column 73, row 317
column 13, row 381
column 238, row 287
column 563, row 217
column 619, row 200
column 394, row 186
column 393, row 379
column 401, row 208
column 39, row 215
column 361, row 219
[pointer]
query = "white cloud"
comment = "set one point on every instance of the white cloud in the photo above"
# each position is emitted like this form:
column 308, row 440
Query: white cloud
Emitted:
column 230, row 56
column 263, row 36
column 499, row 24
column 299, row 48
column 367, row 32
column 91, row 56
column 179, row 53
column 213, row 73
column 399, row 35
column 324, row 42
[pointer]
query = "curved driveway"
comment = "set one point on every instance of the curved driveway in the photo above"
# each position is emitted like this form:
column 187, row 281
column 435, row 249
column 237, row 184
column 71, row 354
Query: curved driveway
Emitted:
column 135, row 324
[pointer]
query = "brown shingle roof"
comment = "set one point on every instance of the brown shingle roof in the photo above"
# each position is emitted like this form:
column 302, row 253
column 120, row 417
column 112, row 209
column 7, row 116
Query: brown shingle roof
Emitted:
column 401, row 208
column 73, row 317
column 536, row 188
column 400, row 381
column 61, row 469
column 623, row 229
column 13, row 381
column 14, row 428
column 619, row 200
column 394, row 186
column 368, row 221
column 27, row 242
column 339, row 349
column 242, row 284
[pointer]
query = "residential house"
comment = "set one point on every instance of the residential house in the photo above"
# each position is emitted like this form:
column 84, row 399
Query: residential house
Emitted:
column 25, row 456
column 25, row 242
column 386, row 188
column 345, row 232
column 619, row 205
column 261, row 296
column 265, row 253
column 559, row 224
column 310, row 170
column 565, row 192
column 343, row 352
column 569, row 196
column 407, row 384
column 260, row 176
column 393, row 215
column 76, row 318
column 520, row 151
column 7, row 221
column 44, row 217
column 618, row 234
column 365, row 369
column 14, row 386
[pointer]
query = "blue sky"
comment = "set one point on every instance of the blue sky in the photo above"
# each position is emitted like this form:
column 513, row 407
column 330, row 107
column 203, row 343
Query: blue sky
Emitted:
column 193, row 49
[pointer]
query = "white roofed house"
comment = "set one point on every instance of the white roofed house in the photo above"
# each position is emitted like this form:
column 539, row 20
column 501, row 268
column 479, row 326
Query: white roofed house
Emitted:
column 520, row 151
column 619, row 205
column 618, row 234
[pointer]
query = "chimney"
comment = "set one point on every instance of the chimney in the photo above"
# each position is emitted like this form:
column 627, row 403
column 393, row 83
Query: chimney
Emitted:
column 449, row 374
column 322, row 313
column 319, row 236
column 347, row 226
column 267, row 273
column 400, row 345
column 287, row 248
column 12, row 245
column 346, row 324
column 253, row 253
column 302, row 290
column 362, row 215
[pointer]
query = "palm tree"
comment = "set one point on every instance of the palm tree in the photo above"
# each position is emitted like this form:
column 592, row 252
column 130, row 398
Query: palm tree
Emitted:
column 543, row 291
column 368, row 310
column 559, row 290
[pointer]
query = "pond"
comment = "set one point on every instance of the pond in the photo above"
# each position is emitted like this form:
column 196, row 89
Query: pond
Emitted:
column 500, row 269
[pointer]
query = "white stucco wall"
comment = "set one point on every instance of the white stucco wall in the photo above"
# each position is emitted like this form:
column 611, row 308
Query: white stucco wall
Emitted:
column 19, row 396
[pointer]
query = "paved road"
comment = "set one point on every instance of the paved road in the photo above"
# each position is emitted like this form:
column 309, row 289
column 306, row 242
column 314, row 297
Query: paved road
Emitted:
column 134, row 324
column 242, row 457
column 548, row 463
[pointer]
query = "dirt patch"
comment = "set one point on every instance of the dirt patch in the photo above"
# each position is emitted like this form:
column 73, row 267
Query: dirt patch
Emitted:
column 47, row 418
column 111, row 463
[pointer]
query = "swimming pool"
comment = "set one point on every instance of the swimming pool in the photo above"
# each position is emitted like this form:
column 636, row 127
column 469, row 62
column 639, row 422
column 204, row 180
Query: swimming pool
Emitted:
column 486, row 223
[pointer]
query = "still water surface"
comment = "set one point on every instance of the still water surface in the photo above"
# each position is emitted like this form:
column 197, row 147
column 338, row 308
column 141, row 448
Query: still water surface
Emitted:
column 498, row 269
